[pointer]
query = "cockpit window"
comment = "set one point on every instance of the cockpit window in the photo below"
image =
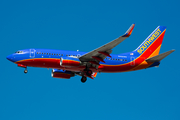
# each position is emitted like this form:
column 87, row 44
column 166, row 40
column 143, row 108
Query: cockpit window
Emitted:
column 19, row 52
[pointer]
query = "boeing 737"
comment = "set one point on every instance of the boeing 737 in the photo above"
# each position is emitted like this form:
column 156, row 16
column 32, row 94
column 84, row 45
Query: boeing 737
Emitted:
column 66, row 64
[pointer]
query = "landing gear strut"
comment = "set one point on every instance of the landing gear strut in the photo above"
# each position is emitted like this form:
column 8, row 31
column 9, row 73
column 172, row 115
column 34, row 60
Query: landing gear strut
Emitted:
column 25, row 71
column 83, row 79
column 87, row 71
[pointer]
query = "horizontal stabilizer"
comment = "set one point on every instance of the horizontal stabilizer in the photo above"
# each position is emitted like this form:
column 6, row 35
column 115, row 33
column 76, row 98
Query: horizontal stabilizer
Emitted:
column 159, row 57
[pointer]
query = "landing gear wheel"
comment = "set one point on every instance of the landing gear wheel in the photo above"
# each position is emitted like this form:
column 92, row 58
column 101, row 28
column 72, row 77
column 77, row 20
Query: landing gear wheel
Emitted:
column 25, row 71
column 89, row 73
column 83, row 79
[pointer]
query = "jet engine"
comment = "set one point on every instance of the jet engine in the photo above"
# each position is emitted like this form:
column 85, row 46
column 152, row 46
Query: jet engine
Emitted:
column 70, row 62
column 62, row 74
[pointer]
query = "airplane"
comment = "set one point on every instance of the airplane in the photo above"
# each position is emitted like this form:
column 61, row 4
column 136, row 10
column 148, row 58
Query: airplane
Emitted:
column 67, row 64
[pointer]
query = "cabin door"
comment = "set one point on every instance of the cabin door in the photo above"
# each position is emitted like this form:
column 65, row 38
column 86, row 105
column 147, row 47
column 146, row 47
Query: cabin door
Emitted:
column 32, row 53
column 132, row 61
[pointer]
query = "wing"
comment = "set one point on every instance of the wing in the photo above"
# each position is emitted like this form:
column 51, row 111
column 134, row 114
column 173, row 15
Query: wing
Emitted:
column 97, row 55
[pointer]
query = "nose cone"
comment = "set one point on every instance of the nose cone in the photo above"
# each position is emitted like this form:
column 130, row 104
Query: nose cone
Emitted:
column 10, row 58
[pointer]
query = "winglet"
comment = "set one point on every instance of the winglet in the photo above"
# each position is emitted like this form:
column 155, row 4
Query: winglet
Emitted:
column 129, row 31
column 159, row 57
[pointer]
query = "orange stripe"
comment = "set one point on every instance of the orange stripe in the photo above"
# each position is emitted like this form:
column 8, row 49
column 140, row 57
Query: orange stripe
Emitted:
column 147, row 64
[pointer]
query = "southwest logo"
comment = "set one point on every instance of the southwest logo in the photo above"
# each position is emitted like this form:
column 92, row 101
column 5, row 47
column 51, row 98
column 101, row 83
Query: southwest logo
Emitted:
column 148, row 42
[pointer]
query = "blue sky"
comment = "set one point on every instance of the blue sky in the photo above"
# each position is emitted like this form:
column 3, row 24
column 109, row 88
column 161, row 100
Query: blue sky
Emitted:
column 85, row 25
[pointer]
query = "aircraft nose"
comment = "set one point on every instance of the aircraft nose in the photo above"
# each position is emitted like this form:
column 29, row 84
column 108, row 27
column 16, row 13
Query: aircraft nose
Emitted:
column 10, row 58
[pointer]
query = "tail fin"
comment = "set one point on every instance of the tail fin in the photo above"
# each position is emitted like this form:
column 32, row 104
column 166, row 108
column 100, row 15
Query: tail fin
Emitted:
column 152, row 44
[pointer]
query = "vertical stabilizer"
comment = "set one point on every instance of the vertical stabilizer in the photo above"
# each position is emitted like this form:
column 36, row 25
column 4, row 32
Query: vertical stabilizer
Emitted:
column 152, row 44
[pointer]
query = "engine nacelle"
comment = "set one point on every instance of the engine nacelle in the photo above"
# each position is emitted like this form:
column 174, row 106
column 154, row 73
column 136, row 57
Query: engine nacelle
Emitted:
column 62, row 74
column 70, row 62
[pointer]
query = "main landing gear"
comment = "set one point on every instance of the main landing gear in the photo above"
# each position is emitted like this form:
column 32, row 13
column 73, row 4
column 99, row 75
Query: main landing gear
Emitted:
column 88, row 72
column 83, row 79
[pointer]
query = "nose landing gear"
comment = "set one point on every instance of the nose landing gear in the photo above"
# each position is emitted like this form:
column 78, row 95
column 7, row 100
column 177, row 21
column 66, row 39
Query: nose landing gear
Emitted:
column 25, row 71
column 23, row 66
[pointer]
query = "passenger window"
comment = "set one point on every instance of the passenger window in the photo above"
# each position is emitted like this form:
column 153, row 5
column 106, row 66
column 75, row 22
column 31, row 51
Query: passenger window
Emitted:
column 42, row 53
column 59, row 54
column 47, row 53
